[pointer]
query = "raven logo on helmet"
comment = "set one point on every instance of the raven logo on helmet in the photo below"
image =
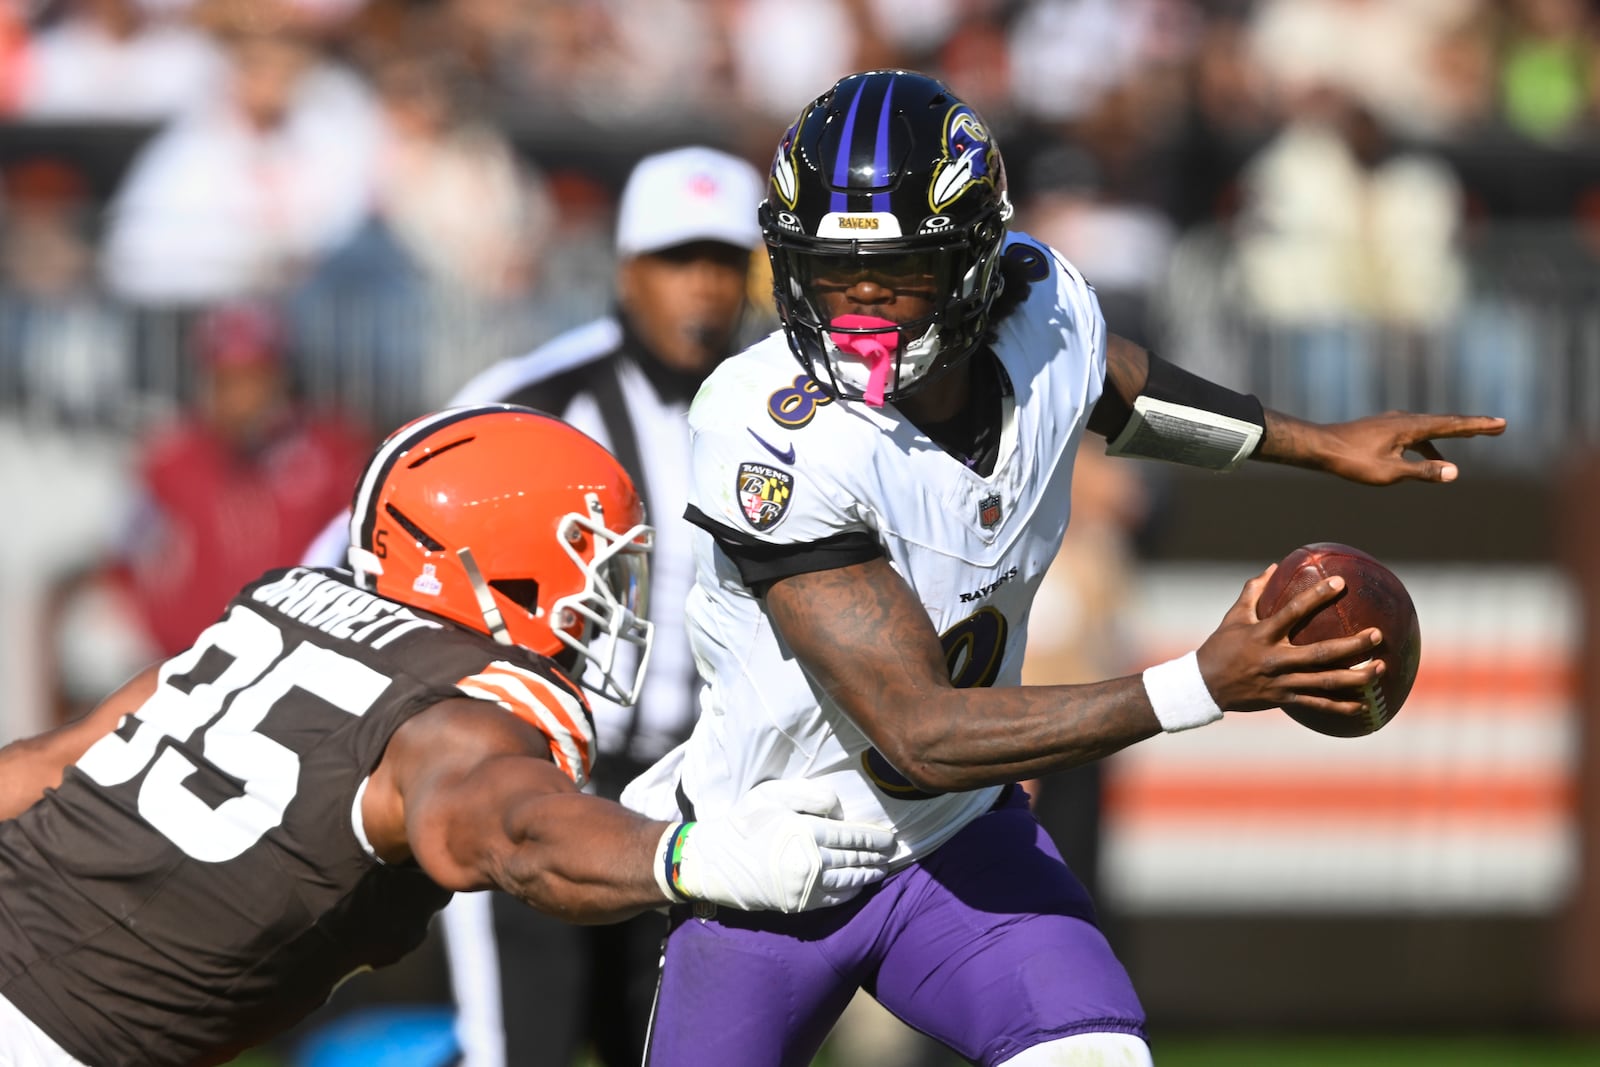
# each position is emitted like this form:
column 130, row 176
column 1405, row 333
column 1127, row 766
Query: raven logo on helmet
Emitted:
column 784, row 181
column 968, row 158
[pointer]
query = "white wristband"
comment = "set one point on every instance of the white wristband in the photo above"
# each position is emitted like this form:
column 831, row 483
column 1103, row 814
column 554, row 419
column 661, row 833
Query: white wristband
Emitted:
column 1179, row 695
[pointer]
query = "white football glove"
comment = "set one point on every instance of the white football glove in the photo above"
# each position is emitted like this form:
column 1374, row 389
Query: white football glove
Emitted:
column 778, row 849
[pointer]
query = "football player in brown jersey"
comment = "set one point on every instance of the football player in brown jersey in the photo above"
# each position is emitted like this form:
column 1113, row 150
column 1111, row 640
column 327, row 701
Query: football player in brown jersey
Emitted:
column 195, row 865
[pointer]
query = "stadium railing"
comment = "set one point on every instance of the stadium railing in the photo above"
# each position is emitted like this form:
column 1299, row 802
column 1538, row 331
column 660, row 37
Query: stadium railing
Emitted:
column 1522, row 340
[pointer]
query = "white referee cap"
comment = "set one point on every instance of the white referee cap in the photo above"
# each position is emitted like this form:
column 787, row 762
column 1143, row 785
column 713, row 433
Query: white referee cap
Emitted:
column 688, row 194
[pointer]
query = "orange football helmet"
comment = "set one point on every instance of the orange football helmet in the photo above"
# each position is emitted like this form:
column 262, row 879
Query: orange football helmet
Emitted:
column 514, row 524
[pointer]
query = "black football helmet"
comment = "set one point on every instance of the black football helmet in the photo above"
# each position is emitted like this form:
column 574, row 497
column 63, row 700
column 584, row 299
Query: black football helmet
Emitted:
column 890, row 171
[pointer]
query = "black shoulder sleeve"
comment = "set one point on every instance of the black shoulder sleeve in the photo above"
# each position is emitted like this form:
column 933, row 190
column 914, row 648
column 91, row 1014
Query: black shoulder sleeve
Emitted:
column 761, row 563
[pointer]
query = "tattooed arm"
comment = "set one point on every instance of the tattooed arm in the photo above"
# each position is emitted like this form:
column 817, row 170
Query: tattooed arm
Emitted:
column 865, row 638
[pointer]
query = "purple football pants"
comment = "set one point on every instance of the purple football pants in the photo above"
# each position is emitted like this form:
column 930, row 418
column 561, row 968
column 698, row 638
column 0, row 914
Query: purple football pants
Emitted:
column 989, row 945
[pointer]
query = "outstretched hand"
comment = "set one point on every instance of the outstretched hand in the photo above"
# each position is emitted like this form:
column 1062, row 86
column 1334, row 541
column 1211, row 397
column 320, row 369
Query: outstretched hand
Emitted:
column 1249, row 663
column 1373, row 450
column 783, row 847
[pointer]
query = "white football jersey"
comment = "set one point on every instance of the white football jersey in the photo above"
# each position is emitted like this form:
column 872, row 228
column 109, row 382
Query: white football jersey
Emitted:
column 775, row 459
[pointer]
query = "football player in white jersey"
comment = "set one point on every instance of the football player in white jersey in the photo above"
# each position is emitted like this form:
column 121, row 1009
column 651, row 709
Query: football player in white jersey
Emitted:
column 877, row 519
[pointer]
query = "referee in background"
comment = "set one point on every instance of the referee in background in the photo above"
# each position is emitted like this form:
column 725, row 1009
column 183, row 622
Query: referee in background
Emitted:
column 532, row 990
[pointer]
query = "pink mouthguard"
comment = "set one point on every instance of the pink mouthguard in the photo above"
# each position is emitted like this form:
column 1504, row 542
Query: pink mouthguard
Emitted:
column 875, row 349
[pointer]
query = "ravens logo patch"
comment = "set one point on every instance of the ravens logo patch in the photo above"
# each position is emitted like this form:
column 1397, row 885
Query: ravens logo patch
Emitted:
column 764, row 494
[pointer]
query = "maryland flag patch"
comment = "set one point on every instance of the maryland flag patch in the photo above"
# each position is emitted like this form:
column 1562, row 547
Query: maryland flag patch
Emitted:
column 764, row 494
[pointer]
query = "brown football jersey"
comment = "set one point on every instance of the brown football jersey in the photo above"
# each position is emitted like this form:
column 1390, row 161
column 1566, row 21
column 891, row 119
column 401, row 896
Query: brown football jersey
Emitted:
column 200, row 881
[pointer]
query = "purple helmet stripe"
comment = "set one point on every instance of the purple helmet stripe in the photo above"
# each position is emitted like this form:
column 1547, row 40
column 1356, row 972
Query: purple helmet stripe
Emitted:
column 880, row 149
column 841, row 167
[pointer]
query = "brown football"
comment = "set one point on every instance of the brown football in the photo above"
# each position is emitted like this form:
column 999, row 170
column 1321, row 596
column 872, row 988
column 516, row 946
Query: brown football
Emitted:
column 1372, row 596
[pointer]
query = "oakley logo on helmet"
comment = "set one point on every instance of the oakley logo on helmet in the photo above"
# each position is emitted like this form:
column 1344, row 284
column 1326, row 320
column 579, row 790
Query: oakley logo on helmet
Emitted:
column 934, row 223
column 789, row 221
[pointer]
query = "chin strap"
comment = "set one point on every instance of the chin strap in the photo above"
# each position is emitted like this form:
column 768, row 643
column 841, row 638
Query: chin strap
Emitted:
column 486, row 604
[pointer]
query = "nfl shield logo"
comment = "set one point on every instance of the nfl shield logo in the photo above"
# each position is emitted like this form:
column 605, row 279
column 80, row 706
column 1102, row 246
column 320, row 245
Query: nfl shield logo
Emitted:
column 989, row 511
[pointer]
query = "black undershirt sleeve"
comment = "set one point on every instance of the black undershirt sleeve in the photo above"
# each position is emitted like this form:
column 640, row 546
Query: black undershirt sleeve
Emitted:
column 761, row 563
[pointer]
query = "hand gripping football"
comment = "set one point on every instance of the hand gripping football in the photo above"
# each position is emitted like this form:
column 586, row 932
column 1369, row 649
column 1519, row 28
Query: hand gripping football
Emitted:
column 1372, row 596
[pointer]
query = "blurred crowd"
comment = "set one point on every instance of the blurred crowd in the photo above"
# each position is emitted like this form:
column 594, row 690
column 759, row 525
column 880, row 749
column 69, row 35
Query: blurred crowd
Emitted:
column 215, row 215
column 410, row 177
column 1440, row 69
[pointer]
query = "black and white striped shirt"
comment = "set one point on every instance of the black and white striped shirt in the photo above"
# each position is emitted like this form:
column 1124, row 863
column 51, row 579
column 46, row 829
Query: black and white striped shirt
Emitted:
column 597, row 378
